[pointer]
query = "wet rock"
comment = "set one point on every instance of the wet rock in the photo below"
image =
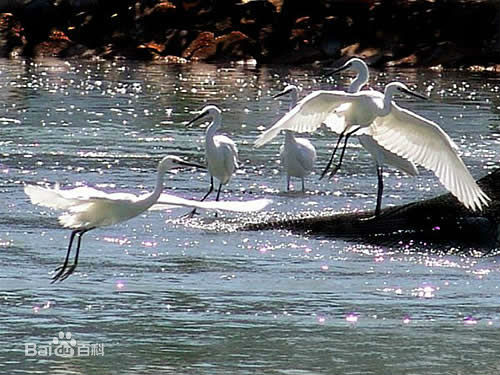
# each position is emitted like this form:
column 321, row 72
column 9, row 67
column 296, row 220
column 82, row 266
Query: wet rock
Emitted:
column 303, row 43
column 177, row 40
column 202, row 48
column 54, row 46
column 445, row 54
column 153, row 20
column 396, row 33
column 11, row 39
column 371, row 55
column 234, row 46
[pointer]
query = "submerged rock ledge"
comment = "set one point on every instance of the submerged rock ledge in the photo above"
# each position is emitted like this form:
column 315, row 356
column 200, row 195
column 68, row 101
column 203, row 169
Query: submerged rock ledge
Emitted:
column 442, row 220
column 449, row 34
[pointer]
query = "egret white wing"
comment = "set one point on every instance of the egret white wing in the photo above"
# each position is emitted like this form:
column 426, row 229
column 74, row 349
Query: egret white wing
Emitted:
column 336, row 121
column 307, row 115
column 48, row 197
column 168, row 201
column 230, row 155
column 423, row 142
column 383, row 156
column 68, row 199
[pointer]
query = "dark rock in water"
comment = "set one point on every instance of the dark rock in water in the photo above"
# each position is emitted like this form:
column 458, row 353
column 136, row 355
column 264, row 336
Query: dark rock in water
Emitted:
column 441, row 220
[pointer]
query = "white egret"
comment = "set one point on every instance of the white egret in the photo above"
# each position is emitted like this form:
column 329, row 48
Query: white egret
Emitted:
column 221, row 153
column 379, row 154
column 88, row 208
column 396, row 129
column 297, row 155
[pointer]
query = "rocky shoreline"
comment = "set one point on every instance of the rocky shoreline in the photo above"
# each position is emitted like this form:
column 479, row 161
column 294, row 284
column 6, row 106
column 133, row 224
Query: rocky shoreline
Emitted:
column 410, row 33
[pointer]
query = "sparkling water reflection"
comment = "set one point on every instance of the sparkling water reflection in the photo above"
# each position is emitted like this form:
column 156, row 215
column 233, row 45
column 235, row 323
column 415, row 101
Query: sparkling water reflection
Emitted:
column 166, row 296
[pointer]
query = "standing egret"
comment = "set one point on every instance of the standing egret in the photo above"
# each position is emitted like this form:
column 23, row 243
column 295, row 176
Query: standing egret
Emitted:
column 398, row 130
column 379, row 154
column 221, row 154
column 88, row 208
column 297, row 155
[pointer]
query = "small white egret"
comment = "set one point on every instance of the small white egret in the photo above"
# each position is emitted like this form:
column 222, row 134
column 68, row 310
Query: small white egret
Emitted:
column 221, row 153
column 88, row 208
column 396, row 129
column 379, row 154
column 297, row 155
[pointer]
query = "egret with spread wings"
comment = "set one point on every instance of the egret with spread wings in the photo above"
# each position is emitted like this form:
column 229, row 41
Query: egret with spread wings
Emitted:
column 398, row 130
column 87, row 208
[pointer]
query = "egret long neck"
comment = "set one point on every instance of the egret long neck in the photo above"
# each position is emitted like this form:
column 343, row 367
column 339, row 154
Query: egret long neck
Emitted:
column 388, row 94
column 212, row 128
column 358, row 82
column 151, row 199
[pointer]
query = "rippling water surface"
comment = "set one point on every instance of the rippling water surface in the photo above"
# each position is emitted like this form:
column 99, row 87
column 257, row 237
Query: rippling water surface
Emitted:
column 159, row 294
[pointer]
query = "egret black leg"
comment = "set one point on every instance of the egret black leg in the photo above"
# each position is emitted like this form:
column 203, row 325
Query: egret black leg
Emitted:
column 337, row 167
column 75, row 262
column 287, row 183
column 380, row 189
column 333, row 155
column 218, row 194
column 193, row 212
column 60, row 270
column 209, row 190
column 303, row 186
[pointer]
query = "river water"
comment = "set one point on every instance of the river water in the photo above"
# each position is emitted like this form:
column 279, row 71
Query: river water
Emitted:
column 162, row 294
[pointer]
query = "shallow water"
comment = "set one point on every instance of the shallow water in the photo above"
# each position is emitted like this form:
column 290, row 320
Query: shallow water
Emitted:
column 159, row 294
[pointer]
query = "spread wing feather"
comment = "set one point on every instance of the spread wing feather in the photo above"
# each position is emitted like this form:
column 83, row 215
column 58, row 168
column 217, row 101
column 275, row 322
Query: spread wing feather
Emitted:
column 308, row 114
column 423, row 142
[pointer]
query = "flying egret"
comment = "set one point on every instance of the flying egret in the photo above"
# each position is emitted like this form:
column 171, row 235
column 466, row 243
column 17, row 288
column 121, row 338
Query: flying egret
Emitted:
column 396, row 129
column 379, row 154
column 297, row 155
column 88, row 208
column 221, row 154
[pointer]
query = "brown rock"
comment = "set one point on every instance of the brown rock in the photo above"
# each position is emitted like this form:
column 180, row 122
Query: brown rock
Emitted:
column 189, row 5
column 278, row 4
column 371, row 55
column 234, row 45
column 154, row 19
column 163, row 8
column 10, row 34
column 202, row 48
column 177, row 40
column 157, row 47
column 57, row 43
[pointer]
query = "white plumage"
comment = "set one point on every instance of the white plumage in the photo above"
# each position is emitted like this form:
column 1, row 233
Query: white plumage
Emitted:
column 400, row 131
column 87, row 208
column 379, row 154
column 297, row 155
column 425, row 143
column 221, row 153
